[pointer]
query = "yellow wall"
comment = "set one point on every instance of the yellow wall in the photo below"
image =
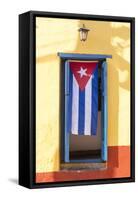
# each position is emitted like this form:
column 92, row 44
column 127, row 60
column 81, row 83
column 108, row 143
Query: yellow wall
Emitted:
column 61, row 35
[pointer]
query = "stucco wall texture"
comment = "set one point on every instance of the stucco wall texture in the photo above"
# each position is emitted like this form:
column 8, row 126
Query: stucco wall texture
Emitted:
column 61, row 35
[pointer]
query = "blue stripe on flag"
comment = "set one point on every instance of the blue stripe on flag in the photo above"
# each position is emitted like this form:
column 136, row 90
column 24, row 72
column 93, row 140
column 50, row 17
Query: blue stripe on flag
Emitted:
column 94, row 102
column 70, row 101
column 81, row 120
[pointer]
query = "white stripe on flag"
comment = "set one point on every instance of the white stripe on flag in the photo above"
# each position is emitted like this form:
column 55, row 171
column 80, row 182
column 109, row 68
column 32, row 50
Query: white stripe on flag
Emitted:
column 88, row 93
column 75, row 106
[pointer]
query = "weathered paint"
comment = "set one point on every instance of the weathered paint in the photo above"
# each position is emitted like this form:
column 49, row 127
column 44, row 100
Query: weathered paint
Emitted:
column 61, row 35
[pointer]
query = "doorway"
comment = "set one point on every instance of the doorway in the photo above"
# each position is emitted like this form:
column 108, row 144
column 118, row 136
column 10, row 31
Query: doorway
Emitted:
column 80, row 147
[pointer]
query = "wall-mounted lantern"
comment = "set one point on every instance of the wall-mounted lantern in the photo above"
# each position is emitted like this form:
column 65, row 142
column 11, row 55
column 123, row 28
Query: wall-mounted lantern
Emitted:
column 83, row 33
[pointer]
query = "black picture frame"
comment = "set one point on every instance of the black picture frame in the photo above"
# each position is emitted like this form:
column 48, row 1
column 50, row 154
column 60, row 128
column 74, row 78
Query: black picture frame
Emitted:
column 27, row 100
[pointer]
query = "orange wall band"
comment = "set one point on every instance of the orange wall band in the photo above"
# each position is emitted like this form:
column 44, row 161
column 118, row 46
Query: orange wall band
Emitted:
column 118, row 166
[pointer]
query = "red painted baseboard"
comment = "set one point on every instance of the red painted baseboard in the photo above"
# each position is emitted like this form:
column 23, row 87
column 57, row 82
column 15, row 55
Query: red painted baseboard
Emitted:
column 118, row 166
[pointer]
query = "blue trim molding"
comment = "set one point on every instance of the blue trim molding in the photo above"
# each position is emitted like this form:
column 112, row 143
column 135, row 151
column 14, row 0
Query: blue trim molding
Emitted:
column 66, row 134
column 73, row 56
column 104, row 111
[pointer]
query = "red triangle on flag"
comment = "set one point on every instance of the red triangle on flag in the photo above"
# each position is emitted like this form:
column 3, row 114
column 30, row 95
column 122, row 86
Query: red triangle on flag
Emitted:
column 82, row 72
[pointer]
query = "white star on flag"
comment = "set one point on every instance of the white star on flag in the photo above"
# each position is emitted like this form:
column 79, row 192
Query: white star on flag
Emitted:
column 82, row 72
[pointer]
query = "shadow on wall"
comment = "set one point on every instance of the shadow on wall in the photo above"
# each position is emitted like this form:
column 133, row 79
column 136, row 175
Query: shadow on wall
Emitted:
column 114, row 40
column 109, row 39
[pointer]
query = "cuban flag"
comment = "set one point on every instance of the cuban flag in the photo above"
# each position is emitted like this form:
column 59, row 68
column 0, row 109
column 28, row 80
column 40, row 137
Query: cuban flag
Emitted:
column 83, row 98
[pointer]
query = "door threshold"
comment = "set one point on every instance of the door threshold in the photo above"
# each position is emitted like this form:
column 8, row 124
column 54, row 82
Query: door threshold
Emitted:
column 83, row 166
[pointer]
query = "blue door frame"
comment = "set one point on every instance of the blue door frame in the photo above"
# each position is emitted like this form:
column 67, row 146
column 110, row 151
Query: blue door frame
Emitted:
column 104, row 111
column 66, row 132
column 102, row 58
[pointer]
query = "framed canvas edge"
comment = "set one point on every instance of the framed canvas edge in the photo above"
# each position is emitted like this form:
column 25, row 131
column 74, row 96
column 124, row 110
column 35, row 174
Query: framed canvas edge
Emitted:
column 31, row 103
